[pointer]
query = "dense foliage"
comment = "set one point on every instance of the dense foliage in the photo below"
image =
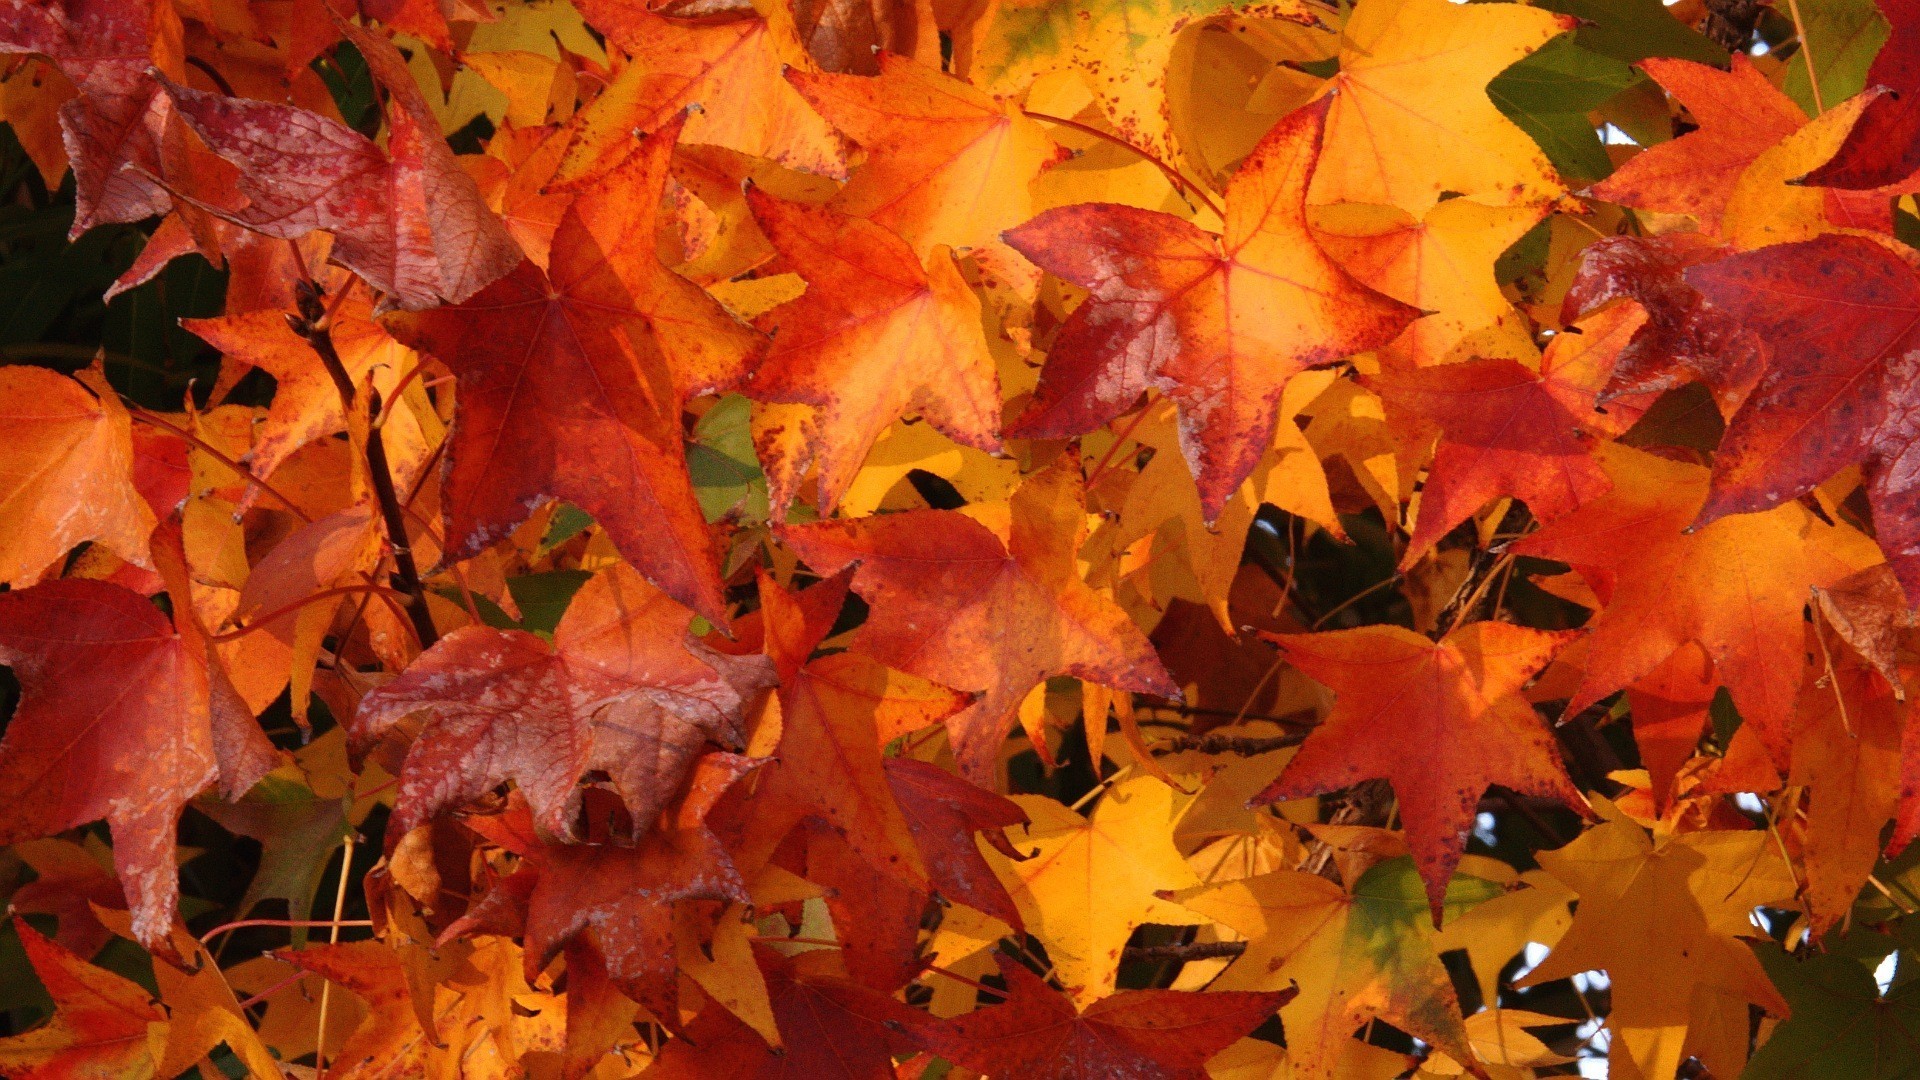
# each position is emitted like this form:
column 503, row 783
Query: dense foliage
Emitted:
column 1247, row 539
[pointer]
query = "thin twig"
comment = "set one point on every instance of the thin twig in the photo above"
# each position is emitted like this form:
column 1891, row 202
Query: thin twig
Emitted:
column 333, row 938
column 1244, row 745
column 1806, row 50
column 282, row 612
column 1198, row 950
column 306, row 923
column 155, row 420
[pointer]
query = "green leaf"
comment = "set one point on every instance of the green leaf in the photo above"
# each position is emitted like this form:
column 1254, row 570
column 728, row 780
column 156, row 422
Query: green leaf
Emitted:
column 1550, row 93
column 1841, row 1025
column 726, row 475
column 1843, row 37
column 543, row 598
column 1633, row 30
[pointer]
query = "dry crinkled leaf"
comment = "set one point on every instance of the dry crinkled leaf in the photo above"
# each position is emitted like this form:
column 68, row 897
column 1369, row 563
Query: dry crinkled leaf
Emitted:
column 622, row 688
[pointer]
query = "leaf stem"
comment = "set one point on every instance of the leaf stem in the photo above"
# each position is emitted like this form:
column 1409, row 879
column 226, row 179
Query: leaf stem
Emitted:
column 158, row 421
column 312, row 325
column 288, row 609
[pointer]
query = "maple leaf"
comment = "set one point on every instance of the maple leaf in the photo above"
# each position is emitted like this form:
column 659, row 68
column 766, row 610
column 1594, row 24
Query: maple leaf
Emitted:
column 1664, row 918
column 1122, row 853
column 730, row 66
column 1038, row 1032
column 875, row 335
column 1510, row 431
column 618, row 342
column 67, row 465
column 992, row 613
column 829, row 1028
column 1737, row 587
column 1883, row 146
column 1870, row 613
column 1440, row 262
column 306, row 405
column 1846, row 753
column 1684, row 339
column 1838, row 314
column 943, row 813
column 390, row 1040
column 69, row 879
column 623, row 688
column 615, row 902
column 1356, row 954
column 1456, row 699
column 1410, row 117
column 107, row 49
column 80, row 747
column 836, row 715
column 103, row 1024
column 1218, row 323
column 1739, row 116
column 1121, row 50
column 950, row 165
column 407, row 218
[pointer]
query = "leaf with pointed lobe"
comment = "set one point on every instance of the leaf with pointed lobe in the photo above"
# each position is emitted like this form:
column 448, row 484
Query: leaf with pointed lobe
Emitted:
column 1739, row 116
column 1847, row 754
column 117, row 119
column 830, row 1029
column 407, row 218
column 1664, row 916
column 103, row 1025
column 390, row 1041
column 1122, row 853
column 1839, row 316
column 1738, row 587
column 622, row 688
column 948, row 164
column 1358, row 953
column 615, row 900
column 67, row 458
column 122, row 718
column 1684, row 339
column 1411, row 119
column 571, row 384
column 958, row 603
column 1884, row 146
column 730, row 66
column 837, row 714
column 1442, row 721
column 1218, row 323
column 876, row 335
column 943, row 812
column 1870, row 613
column 1151, row 1034
column 1510, row 431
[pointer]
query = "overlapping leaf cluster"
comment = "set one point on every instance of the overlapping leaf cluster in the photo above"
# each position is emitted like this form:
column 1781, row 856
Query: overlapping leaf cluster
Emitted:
column 1053, row 538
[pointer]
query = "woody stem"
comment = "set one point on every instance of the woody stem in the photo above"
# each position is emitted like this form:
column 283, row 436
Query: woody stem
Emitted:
column 311, row 324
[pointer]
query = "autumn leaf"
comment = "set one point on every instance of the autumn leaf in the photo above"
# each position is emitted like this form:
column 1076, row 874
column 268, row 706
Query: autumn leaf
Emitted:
column 1456, row 699
column 1830, row 309
column 1027, row 614
column 1215, row 322
column 1358, row 953
column 876, row 335
column 1728, row 586
column 1122, row 853
column 104, row 1024
column 1410, row 117
column 80, row 743
column 1663, row 917
column 68, row 458
column 1039, row 1032
column 954, row 163
column 619, row 341
column 622, row 688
